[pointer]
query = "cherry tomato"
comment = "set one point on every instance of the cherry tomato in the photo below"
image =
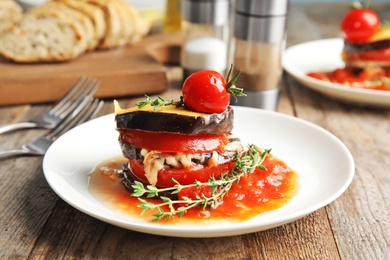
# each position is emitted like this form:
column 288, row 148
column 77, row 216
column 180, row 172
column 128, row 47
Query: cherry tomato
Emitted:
column 175, row 143
column 182, row 175
column 359, row 25
column 205, row 91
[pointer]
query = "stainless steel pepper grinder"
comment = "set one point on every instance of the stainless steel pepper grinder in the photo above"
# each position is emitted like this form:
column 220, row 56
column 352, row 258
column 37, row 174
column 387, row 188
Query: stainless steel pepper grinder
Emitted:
column 259, row 40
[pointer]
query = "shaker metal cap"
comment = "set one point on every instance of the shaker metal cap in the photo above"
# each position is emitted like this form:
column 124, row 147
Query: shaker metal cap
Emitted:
column 261, row 20
column 262, row 7
column 214, row 12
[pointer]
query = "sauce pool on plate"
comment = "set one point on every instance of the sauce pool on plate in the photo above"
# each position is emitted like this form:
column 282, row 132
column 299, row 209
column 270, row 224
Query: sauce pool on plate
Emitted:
column 374, row 79
column 255, row 193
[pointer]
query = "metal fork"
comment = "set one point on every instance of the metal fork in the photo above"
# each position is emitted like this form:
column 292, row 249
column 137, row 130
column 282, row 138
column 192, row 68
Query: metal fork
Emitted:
column 82, row 88
column 40, row 145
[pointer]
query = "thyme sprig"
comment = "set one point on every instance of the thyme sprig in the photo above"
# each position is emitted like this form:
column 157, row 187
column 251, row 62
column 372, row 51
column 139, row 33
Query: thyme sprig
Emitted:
column 159, row 102
column 245, row 162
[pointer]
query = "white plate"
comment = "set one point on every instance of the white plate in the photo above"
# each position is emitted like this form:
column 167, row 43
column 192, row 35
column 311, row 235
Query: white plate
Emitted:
column 325, row 55
column 324, row 165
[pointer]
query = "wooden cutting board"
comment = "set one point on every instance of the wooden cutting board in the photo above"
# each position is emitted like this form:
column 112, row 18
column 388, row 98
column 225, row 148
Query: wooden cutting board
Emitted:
column 128, row 71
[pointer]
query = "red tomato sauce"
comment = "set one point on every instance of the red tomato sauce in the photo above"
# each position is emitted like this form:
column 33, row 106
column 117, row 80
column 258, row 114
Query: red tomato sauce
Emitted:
column 255, row 193
column 378, row 79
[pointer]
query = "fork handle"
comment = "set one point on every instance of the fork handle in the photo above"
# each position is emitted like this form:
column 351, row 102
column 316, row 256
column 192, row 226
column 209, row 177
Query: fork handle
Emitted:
column 17, row 126
column 17, row 151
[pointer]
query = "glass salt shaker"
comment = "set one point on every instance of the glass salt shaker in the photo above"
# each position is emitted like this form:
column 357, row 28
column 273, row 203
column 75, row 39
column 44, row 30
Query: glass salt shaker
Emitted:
column 207, row 29
column 259, row 40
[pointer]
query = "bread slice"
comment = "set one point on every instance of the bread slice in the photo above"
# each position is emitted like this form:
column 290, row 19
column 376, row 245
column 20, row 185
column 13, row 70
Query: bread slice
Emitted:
column 61, row 30
column 78, row 18
column 41, row 38
column 94, row 13
column 10, row 14
column 113, row 32
column 79, row 28
column 124, row 24
column 127, row 25
column 141, row 25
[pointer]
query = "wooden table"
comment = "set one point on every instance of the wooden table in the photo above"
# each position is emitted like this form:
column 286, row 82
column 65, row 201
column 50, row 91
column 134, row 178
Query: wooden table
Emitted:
column 36, row 223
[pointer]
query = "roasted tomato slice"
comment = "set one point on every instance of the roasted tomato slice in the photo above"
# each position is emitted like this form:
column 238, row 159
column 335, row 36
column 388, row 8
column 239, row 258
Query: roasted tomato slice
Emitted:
column 182, row 175
column 175, row 143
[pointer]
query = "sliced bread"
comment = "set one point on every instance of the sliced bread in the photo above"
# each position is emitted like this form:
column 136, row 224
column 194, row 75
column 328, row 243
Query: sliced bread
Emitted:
column 141, row 26
column 78, row 18
column 10, row 13
column 113, row 33
column 95, row 14
column 41, row 38
column 127, row 25
column 61, row 30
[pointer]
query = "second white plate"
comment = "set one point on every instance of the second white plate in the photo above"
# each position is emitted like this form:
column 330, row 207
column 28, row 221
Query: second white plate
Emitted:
column 325, row 55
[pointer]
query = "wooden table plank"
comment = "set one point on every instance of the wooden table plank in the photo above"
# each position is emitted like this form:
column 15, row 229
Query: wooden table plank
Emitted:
column 306, row 238
column 26, row 204
column 364, row 206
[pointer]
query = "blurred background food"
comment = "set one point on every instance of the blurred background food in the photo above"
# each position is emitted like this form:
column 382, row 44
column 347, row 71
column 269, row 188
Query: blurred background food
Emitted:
column 152, row 9
column 62, row 30
column 10, row 13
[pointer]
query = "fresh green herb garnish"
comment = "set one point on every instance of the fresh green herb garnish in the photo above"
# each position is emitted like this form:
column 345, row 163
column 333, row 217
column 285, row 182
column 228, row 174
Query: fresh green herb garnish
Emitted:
column 231, row 88
column 245, row 162
column 159, row 102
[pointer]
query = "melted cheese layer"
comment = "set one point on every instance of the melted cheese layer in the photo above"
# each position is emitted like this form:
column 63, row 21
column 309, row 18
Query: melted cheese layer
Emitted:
column 171, row 109
column 155, row 161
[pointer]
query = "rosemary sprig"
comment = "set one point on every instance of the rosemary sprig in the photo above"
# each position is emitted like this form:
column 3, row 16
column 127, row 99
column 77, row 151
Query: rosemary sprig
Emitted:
column 358, row 4
column 158, row 102
column 230, row 85
column 245, row 162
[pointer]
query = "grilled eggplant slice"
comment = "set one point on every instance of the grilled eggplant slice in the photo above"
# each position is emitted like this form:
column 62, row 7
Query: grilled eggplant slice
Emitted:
column 170, row 119
column 364, row 47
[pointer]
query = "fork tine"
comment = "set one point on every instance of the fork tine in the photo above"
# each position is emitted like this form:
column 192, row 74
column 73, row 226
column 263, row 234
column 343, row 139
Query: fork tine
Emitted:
column 88, row 91
column 84, row 87
column 96, row 111
column 87, row 112
column 69, row 94
column 85, row 103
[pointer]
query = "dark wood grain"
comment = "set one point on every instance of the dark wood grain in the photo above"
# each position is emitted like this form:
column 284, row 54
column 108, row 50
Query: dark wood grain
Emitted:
column 36, row 224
